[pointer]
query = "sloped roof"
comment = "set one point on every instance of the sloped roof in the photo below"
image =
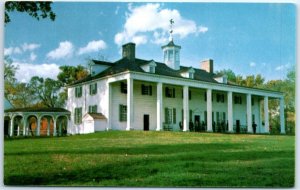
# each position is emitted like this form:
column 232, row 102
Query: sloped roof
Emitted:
column 36, row 110
column 96, row 115
column 125, row 64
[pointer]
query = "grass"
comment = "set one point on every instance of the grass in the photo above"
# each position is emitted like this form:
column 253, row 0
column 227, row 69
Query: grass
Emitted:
column 152, row 159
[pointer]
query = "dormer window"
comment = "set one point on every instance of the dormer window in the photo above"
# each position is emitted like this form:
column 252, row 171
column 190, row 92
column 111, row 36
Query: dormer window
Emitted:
column 191, row 75
column 152, row 69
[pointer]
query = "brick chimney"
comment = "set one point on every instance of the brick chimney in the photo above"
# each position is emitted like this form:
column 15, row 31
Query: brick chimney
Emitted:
column 207, row 65
column 128, row 51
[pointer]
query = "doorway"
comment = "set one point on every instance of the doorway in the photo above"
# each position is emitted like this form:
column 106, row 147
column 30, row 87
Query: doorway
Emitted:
column 238, row 127
column 197, row 123
column 146, row 122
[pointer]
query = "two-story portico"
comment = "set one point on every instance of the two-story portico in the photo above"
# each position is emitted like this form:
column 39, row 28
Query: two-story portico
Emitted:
column 136, row 94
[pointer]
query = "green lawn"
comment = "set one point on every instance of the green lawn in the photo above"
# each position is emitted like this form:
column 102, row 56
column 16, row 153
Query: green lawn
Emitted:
column 152, row 159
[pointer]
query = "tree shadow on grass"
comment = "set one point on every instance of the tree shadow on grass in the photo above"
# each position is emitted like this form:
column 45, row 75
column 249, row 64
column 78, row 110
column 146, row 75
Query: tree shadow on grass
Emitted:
column 156, row 169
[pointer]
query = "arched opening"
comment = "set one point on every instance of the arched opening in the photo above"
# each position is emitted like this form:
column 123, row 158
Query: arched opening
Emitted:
column 6, row 125
column 32, row 125
column 18, row 125
column 61, row 125
column 46, row 128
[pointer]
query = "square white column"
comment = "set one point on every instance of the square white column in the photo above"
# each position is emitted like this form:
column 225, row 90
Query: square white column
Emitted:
column 249, row 114
column 109, row 109
column 159, row 106
column 282, row 122
column 230, row 112
column 266, row 113
column 38, row 127
column 186, row 118
column 54, row 127
column 24, row 126
column 209, row 110
column 11, row 127
column 129, row 104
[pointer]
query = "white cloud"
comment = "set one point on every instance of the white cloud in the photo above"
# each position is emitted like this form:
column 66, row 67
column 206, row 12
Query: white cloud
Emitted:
column 117, row 10
column 92, row 46
column 30, row 47
column 202, row 29
column 21, row 49
column 64, row 50
column 12, row 50
column 32, row 56
column 151, row 18
column 252, row 64
column 283, row 67
column 28, row 70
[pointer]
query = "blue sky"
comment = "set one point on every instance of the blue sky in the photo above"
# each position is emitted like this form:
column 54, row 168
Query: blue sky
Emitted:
column 252, row 38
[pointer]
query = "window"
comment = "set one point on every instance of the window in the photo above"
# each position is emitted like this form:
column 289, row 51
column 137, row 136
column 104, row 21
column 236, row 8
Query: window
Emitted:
column 238, row 99
column 171, row 56
column 224, row 116
column 191, row 75
column 170, row 115
column 146, row 90
column 170, row 92
column 165, row 56
column 252, row 101
column 123, row 112
column 218, row 116
column 78, row 116
column 176, row 55
column 93, row 109
column 93, row 89
column 78, row 91
column 123, row 88
column 152, row 69
column 220, row 98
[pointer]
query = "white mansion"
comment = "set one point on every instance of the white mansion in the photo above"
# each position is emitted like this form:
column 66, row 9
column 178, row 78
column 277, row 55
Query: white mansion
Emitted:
column 137, row 94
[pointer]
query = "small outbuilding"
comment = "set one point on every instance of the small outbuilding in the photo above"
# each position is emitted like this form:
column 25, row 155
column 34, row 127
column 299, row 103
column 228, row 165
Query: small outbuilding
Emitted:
column 93, row 122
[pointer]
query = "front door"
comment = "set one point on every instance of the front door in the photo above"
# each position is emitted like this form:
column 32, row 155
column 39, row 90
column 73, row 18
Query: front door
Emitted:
column 197, row 123
column 146, row 122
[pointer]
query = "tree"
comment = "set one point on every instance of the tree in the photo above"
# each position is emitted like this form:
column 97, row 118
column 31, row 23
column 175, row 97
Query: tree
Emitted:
column 37, row 10
column 9, row 70
column 46, row 91
column 229, row 73
column 70, row 74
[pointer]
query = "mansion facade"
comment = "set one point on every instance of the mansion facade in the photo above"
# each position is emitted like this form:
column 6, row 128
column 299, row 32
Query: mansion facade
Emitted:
column 137, row 94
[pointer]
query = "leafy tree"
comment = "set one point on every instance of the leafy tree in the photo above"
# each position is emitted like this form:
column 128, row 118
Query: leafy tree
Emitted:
column 46, row 91
column 37, row 9
column 229, row 73
column 70, row 74
column 9, row 70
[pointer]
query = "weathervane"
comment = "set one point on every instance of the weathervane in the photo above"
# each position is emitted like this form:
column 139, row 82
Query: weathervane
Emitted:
column 171, row 30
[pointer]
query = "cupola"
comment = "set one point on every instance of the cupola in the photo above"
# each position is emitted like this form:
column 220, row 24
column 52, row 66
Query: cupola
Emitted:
column 171, row 51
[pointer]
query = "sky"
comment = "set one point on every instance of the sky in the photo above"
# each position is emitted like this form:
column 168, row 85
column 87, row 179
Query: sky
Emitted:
column 248, row 38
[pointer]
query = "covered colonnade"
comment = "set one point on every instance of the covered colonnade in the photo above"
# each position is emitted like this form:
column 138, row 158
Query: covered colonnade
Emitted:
column 36, row 122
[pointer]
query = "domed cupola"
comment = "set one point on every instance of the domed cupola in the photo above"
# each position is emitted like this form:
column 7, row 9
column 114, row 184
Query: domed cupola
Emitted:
column 171, row 51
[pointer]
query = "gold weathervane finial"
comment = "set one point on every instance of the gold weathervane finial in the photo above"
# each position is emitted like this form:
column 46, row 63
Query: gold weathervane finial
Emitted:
column 171, row 29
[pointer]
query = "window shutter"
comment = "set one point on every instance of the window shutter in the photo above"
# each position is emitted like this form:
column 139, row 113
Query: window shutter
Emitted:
column 80, row 90
column 190, row 95
column 205, row 96
column 166, row 115
column 191, row 115
column 174, row 115
column 120, row 112
column 150, row 90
